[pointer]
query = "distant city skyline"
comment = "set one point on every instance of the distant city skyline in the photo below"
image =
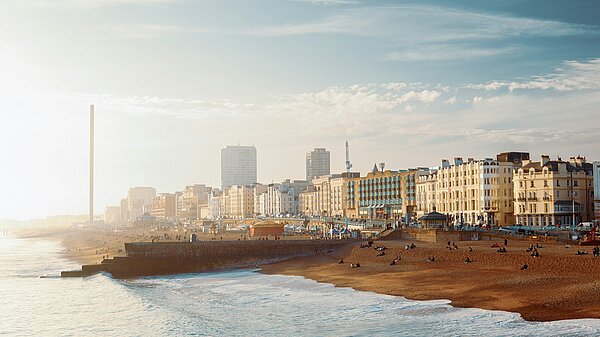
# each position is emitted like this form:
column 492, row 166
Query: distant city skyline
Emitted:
column 175, row 81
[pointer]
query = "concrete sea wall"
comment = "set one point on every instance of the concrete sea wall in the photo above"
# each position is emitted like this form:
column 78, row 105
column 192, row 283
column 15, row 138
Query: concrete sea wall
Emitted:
column 161, row 258
column 433, row 235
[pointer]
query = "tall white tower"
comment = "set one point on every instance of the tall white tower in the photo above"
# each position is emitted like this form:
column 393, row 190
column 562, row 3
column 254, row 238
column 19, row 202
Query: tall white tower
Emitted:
column 91, row 165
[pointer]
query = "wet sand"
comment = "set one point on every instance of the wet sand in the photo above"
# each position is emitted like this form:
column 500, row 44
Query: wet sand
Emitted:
column 557, row 285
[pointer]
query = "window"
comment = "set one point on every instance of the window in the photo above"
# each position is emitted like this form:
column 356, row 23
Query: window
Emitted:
column 545, row 183
column 532, row 184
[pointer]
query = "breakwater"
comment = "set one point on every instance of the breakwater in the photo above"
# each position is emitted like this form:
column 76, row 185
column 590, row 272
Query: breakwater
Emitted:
column 162, row 258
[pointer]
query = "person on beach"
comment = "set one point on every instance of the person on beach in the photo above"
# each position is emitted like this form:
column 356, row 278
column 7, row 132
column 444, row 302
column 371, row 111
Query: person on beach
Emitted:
column 467, row 260
column 470, row 250
column 381, row 253
column 525, row 266
column 505, row 242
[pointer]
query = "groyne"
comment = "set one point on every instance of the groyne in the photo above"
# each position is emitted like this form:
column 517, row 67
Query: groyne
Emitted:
column 162, row 258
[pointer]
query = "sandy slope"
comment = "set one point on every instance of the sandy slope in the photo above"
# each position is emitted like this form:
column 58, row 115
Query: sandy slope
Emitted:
column 557, row 285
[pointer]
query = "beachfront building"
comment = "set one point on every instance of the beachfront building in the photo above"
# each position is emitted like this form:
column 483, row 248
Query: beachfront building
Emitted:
column 326, row 196
column 214, row 204
column 124, row 211
column 238, row 166
column 309, row 201
column 191, row 199
column 383, row 195
column 282, row 198
column 112, row 215
column 478, row 192
column 164, row 206
column 266, row 228
column 554, row 192
column 317, row 163
column 139, row 201
column 237, row 202
column 426, row 195
column 260, row 192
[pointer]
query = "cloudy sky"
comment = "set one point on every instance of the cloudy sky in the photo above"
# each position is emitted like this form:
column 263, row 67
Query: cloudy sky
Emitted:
column 405, row 82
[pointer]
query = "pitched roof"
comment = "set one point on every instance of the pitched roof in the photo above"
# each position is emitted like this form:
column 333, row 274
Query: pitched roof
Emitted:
column 433, row 216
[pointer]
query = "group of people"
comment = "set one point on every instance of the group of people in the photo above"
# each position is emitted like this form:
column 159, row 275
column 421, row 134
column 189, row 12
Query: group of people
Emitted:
column 533, row 249
column 451, row 245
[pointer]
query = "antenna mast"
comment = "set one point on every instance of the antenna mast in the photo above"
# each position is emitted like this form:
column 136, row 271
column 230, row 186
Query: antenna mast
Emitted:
column 348, row 165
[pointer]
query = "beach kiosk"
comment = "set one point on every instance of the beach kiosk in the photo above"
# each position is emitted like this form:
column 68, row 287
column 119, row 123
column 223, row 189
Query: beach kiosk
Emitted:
column 434, row 220
column 266, row 228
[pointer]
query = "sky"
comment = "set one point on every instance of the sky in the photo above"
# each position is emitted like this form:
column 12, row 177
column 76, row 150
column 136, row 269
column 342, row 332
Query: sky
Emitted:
column 173, row 81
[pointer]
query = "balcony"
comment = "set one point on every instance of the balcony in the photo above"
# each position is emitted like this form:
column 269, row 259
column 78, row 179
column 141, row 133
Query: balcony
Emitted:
column 532, row 199
column 547, row 199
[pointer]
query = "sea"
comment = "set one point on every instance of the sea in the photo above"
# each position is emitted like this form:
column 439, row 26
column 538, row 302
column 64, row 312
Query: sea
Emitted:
column 35, row 301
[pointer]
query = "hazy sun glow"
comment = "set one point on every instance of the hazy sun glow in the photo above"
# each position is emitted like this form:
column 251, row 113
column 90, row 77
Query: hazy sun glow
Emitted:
column 175, row 81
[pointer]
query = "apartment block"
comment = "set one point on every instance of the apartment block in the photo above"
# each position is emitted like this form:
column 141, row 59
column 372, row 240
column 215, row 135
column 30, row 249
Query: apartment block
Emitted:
column 554, row 192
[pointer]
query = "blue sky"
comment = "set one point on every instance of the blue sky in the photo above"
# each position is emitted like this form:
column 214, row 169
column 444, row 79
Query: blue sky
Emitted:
column 174, row 81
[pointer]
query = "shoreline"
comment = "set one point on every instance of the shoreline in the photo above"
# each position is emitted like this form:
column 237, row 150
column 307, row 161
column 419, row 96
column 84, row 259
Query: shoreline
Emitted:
column 557, row 286
column 493, row 281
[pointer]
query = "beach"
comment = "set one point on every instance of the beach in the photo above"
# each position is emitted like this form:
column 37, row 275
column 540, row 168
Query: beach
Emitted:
column 557, row 285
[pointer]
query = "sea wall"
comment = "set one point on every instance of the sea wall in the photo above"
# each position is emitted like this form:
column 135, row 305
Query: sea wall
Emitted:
column 161, row 258
column 433, row 235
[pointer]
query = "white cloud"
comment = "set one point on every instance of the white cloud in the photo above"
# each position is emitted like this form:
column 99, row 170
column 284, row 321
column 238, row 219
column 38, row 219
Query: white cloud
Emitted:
column 495, row 85
column 445, row 52
column 340, row 24
column 424, row 24
column 572, row 75
column 451, row 100
column 430, row 33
